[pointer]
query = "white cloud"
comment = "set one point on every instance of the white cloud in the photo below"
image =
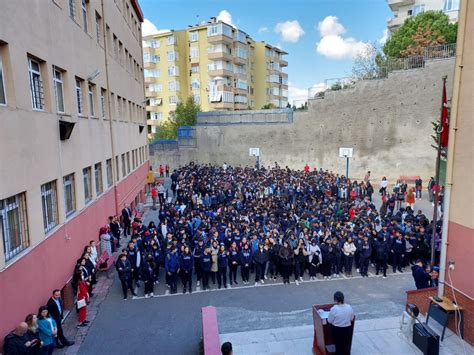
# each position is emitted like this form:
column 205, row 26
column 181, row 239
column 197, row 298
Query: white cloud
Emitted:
column 332, row 44
column 148, row 28
column 226, row 17
column 384, row 38
column 290, row 31
column 330, row 26
column 263, row 29
column 298, row 95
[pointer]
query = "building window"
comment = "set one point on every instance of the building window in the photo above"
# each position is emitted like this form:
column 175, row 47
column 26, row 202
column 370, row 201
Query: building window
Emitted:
column 172, row 56
column 14, row 223
column 195, row 84
column 49, row 202
column 58, row 89
column 98, row 179
column 84, row 14
column 80, row 104
column 98, row 26
column 170, row 40
column 156, row 115
column 69, row 194
column 36, row 84
column 3, row 96
column 117, row 172
column 194, row 53
column 103, row 110
column 197, row 99
column 173, row 86
column 173, row 71
column 451, row 5
column 173, row 100
column 87, row 176
column 194, row 69
column 110, row 179
column 417, row 9
column 128, row 163
column 124, row 167
column 72, row 8
column 91, row 99
column 193, row 36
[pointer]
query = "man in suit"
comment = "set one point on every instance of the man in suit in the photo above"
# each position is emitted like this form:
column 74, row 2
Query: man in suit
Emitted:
column 55, row 309
column 127, row 220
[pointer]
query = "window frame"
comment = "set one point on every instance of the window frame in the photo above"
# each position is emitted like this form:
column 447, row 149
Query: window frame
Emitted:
column 90, row 99
column 72, row 9
column 79, row 97
column 87, row 175
column 85, row 15
column 109, row 171
column 9, row 204
column 2, row 84
column 35, row 79
column 58, row 81
column 49, row 204
column 69, row 181
column 98, row 178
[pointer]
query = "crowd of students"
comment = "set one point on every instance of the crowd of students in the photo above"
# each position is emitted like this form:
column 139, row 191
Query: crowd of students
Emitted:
column 272, row 222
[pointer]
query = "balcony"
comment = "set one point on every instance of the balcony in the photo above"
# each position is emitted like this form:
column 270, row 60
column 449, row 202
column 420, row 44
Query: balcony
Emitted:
column 221, row 99
column 241, row 106
column 240, row 60
column 395, row 22
column 151, row 80
column 220, row 39
column 395, row 4
column 238, row 91
column 283, row 63
column 219, row 56
column 220, row 72
column 221, row 105
column 150, row 65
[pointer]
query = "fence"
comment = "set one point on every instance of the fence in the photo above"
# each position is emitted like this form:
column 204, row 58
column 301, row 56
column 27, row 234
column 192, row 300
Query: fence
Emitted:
column 284, row 115
column 187, row 136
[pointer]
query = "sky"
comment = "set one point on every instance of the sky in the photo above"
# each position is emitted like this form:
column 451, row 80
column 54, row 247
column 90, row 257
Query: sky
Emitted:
column 322, row 37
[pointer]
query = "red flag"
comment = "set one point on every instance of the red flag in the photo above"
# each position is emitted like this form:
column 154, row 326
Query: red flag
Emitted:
column 444, row 120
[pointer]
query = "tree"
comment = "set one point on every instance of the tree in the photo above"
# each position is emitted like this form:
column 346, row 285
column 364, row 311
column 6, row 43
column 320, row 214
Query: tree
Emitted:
column 184, row 115
column 439, row 26
column 423, row 38
column 336, row 86
column 366, row 63
column 268, row 106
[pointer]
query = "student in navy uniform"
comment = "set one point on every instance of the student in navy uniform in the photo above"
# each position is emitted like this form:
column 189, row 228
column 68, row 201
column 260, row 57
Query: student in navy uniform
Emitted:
column 124, row 269
column 148, row 275
column 156, row 253
column 233, row 263
column 245, row 261
column 365, row 253
column 133, row 255
column 197, row 254
column 421, row 277
column 398, row 250
column 222, row 261
column 172, row 268
column 205, row 265
column 186, row 266
column 381, row 250
column 260, row 258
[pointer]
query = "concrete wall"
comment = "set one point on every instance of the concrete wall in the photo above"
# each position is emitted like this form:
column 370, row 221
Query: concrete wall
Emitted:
column 387, row 122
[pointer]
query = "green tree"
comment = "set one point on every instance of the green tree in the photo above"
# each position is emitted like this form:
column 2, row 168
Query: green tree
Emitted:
column 436, row 21
column 184, row 115
column 268, row 106
column 336, row 86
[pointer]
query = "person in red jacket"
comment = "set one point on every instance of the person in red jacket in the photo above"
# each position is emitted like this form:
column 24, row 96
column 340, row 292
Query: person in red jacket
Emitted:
column 154, row 196
column 82, row 295
column 306, row 168
column 167, row 170
column 162, row 170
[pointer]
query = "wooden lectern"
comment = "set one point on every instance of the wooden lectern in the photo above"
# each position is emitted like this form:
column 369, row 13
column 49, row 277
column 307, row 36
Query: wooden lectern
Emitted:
column 323, row 343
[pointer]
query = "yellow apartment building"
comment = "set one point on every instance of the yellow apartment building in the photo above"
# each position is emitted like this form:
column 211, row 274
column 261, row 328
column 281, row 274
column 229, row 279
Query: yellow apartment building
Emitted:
column 218, row 65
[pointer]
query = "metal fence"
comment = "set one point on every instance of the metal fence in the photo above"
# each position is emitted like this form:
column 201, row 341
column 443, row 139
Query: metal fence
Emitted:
column 187, row 136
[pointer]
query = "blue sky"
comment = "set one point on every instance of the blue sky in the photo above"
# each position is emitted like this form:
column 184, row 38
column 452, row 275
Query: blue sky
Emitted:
column 321, row 36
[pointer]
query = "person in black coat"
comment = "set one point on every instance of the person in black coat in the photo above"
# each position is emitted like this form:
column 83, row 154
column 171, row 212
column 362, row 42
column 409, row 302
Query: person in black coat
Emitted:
column 222, row 261
column 327, row 256
column 365, row 253
column 56, row 309
column 186, row 266
column 421, row 277
column 147, row 272
column 398, row 250
column 381, row 251
column 245, row 261
column 17, row 341
column 260, row 258
column 124, row 269
column 205, row 265
column 234, row 259
column 127, row 220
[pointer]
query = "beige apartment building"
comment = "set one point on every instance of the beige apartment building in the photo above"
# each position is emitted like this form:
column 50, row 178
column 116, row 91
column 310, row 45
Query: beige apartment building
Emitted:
column 218, row 65
column 73, row 147
column 403, row 9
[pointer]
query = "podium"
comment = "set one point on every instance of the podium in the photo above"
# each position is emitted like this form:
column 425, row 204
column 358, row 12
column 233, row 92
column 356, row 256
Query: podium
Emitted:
column 323, row 343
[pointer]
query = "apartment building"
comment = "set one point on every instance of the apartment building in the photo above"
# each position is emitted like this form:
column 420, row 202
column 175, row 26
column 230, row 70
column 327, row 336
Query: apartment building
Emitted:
column 403, row 9
column 73, row 146
column 220, row 66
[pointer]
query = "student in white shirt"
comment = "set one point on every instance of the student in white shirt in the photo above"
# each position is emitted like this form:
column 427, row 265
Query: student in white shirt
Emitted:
column 340, row 317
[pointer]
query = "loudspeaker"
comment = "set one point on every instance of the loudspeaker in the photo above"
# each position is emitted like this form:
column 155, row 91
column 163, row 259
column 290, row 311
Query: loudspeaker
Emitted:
column 65, row 129
column 140, row 128
column 425, row 339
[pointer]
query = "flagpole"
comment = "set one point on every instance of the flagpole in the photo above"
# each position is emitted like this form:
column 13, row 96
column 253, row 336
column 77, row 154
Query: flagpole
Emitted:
column 437, row 184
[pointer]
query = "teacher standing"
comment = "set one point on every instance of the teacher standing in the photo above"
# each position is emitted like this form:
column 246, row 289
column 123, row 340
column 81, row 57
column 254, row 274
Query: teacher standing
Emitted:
column 340, row 317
